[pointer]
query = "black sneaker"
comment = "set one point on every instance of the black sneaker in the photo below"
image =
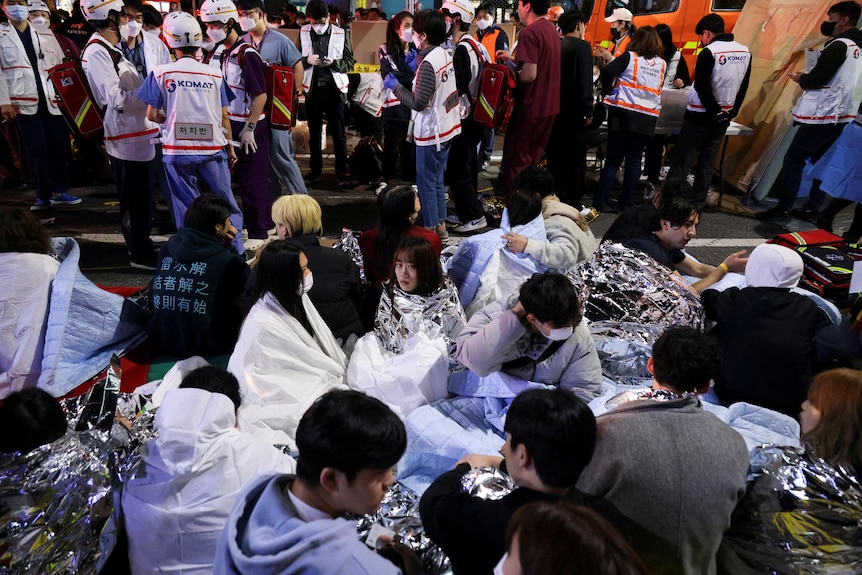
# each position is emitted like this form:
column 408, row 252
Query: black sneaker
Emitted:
column 805, row 214
column 772, row 214
column 311, row 179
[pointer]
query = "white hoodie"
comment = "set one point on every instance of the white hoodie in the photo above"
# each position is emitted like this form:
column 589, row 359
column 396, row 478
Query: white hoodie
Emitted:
column 176, row 506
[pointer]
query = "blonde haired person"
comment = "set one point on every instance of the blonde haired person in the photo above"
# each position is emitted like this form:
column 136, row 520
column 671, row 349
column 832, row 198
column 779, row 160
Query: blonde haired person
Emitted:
column 337, row 290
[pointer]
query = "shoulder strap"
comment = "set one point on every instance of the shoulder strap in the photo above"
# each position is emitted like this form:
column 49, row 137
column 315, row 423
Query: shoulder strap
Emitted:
column 526, row 360
column 467, row 39
column 115, row 57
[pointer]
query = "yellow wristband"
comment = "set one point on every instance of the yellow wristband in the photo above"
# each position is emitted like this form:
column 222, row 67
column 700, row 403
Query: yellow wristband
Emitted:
column 723, row 266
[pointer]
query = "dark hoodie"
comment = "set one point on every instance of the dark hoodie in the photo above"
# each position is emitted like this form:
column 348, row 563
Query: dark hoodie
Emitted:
column 196, row 296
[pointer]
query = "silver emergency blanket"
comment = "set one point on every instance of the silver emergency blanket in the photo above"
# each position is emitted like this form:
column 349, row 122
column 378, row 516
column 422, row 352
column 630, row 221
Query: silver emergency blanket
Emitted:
column 487, row 483
column 349, row 242
column 649, row 394
column 624, row 349
column 402, row 314
column 625, row 285
column 800, row 515
column 493, row 207
column 57, row 503
column 399, row 512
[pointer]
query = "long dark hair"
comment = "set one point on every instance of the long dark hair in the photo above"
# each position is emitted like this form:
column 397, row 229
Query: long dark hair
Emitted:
column 421, row 253
column 666, row 35
column 279, row 273
column 394, row 206
column 394, row 44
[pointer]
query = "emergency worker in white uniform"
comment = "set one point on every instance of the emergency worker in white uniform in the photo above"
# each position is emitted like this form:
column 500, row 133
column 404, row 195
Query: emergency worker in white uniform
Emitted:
column 632, row 83
column 436, row 116
column 244, row 72
column 189, row 99
column 113, row 80
column 145, row 52
column 825, row 107
column 276, row 49
column 462, row 168
column 327, row 56
column 26, row 95
column 721, row 75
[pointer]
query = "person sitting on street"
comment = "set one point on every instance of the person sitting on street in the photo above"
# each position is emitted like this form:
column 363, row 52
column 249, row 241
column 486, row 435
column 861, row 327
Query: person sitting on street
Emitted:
column 675, row 226
column 556, row 538
column 348, row 444
column 197, row 292
column 674, row 470
column 570, row 240
column 190, row 474
column 537, row 335
column 550, row 438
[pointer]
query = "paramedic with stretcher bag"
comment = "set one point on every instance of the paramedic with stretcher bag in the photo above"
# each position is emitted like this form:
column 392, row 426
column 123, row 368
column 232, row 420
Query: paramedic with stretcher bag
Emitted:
column 26, row 55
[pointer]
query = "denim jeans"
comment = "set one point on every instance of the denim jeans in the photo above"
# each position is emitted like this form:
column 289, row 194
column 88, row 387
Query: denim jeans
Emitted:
column 626, row 146
column 283, row 165
column 430, row 168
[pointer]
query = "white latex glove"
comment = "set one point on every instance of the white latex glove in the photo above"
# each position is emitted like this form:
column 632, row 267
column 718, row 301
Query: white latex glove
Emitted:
column 314, row 60
column 129, row 81
column 246, row 141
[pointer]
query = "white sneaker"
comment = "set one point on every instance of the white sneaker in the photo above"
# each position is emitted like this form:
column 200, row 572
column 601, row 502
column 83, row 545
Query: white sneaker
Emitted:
column 470, row 226
column 252, row 244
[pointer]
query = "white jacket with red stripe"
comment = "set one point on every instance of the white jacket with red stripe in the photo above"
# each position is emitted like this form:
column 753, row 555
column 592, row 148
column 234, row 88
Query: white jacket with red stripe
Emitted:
column 834, row 103
column 191, row 93
column 731, row 61
column 127, row 130
column 638, row 88
column 18, row 82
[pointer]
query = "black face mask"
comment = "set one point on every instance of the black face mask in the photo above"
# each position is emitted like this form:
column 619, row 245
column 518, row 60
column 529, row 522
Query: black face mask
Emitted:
column 615, row 34
column 827, row 28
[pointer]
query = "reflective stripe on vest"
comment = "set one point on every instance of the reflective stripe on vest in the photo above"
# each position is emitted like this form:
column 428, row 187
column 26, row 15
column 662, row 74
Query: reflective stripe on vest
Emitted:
column 638, row 88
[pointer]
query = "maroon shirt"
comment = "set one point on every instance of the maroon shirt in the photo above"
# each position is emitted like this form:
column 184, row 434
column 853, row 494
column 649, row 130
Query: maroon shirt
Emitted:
column 539, row 43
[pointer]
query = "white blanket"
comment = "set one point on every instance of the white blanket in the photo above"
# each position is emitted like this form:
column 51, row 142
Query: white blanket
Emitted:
column 282, row 369
column 179, row 498
column 416, row 376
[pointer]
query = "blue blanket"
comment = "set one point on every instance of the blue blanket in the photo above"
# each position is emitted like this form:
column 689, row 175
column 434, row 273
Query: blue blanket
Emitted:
column 86, row 325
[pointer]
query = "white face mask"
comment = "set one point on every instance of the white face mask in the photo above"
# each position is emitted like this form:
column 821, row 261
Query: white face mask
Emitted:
column 39, row 22
column 320, row 29
column 417, row 42
column 124, row 32
column 155, row 32
column 556, row 334
column 406, row 35
column 246, row 23
column 208, row 46
column 16, row 12
column 498, row 568
column 448, row 25
column 216, row 34
column 307, row 283
column 485, row 23
column 134, row 27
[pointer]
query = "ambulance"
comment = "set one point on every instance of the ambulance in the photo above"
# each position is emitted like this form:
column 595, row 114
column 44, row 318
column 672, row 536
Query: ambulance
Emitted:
column 681, row 15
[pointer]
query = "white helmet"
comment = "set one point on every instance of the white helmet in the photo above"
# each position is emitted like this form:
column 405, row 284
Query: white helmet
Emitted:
column 96, row 10
column 38, row 6
column 461, row 7
column 181, row 30
column 219, row 11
